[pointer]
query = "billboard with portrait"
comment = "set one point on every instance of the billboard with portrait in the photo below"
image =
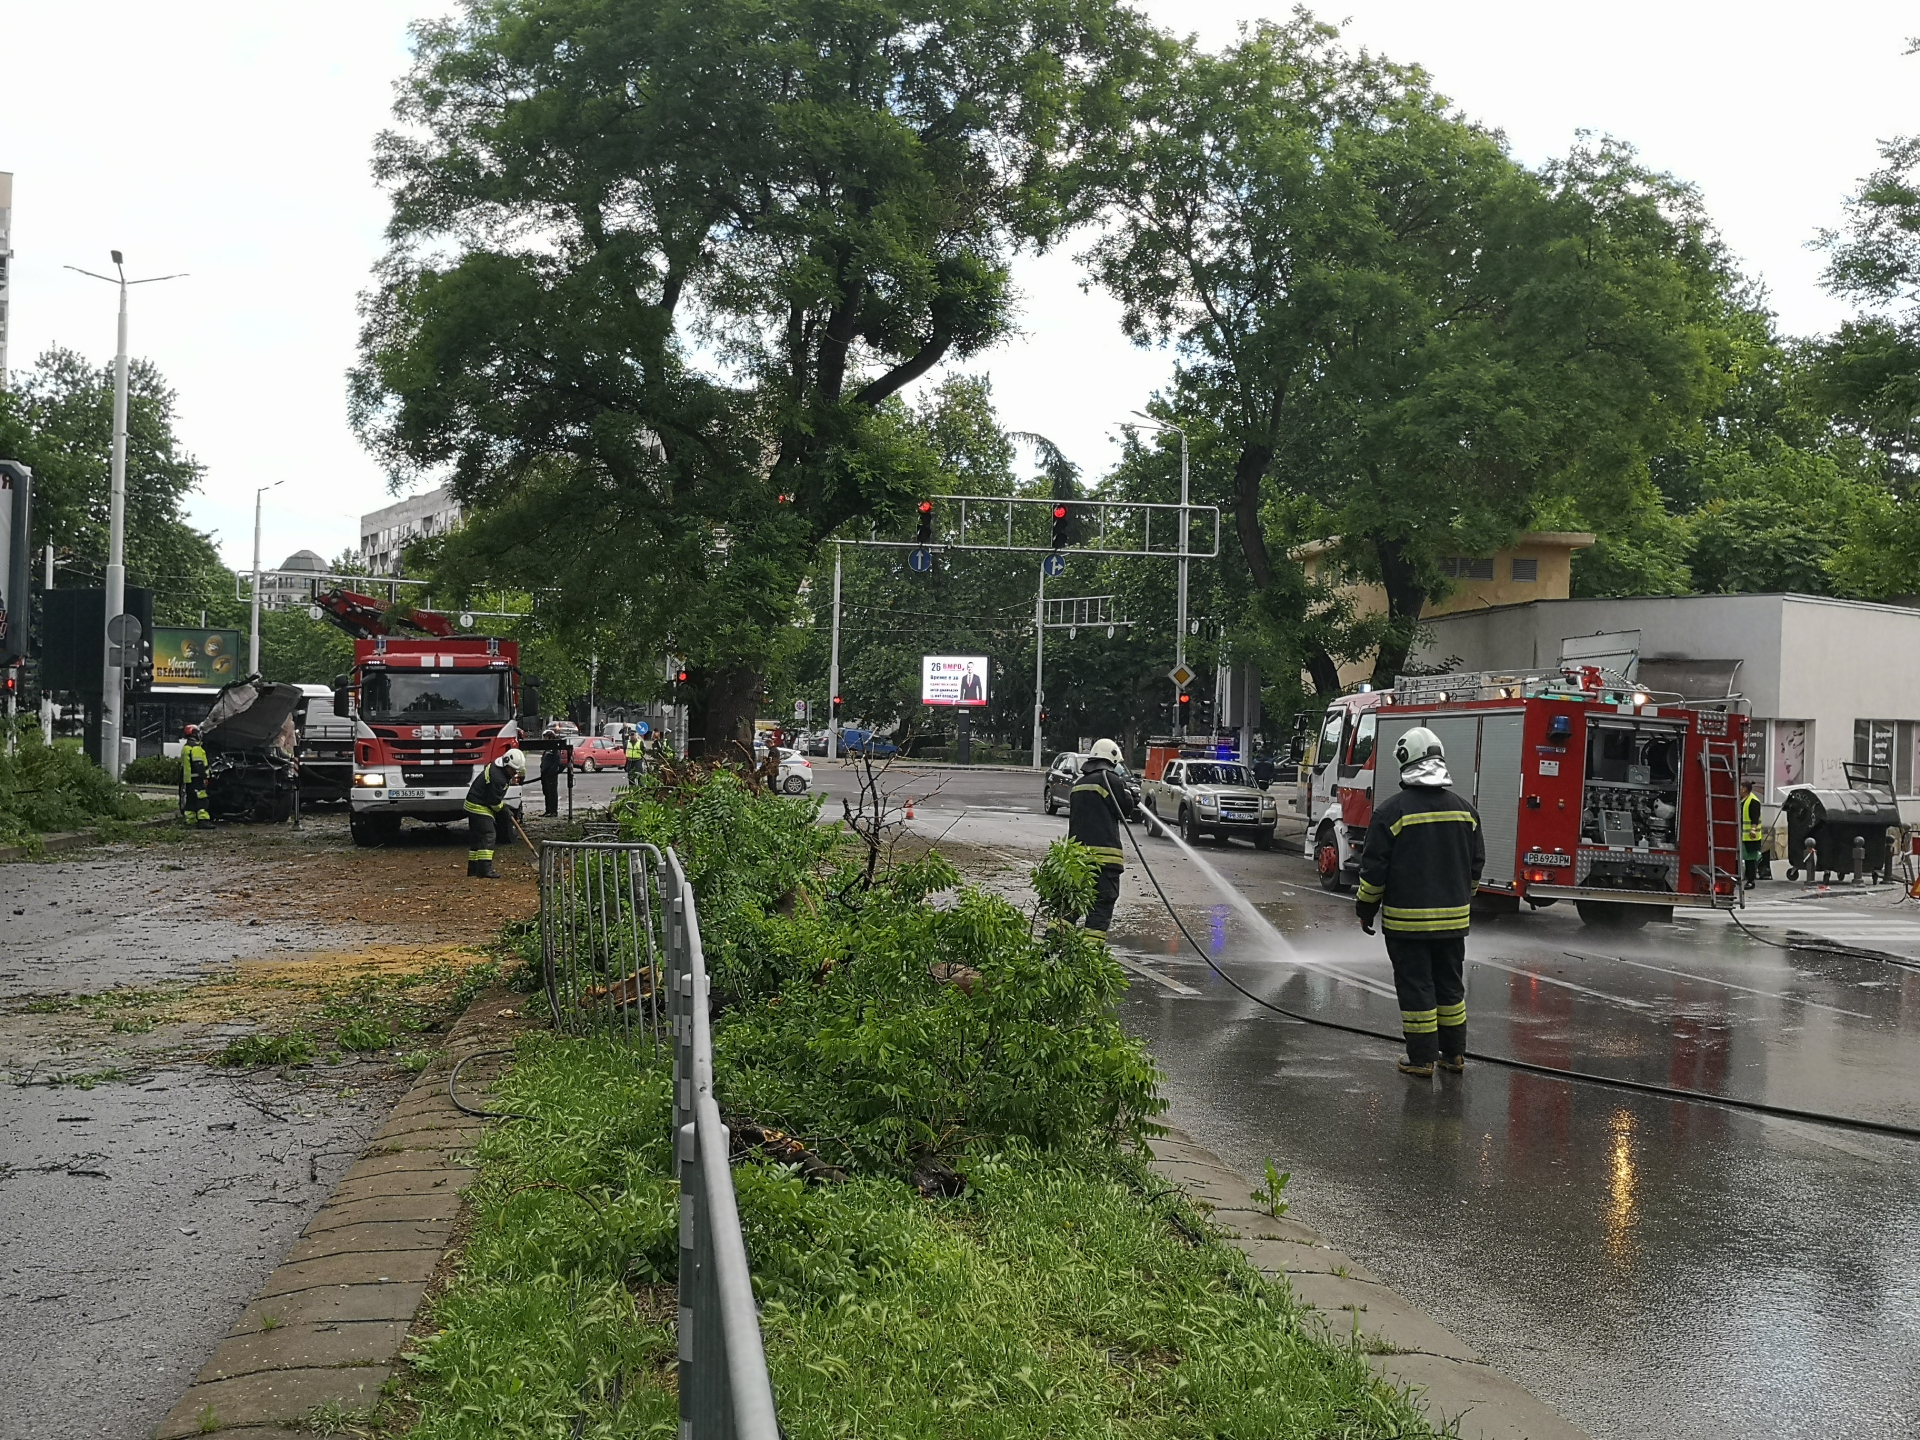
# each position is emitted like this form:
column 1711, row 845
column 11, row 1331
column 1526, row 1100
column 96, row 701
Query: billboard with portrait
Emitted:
column 953, row 680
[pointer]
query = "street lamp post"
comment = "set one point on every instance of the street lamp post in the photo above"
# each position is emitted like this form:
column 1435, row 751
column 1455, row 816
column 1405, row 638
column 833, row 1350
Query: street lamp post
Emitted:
column 833, row 667
column 1180, row 602
column 111, row 691
column 253, row 662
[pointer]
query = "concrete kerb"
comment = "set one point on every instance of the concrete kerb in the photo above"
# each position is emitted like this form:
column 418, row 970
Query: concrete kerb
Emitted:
column 328, row 1324
column 1402, row 1343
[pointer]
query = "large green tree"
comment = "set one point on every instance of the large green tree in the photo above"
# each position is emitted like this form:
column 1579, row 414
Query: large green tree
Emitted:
column 656, row 270
column 1379, row 313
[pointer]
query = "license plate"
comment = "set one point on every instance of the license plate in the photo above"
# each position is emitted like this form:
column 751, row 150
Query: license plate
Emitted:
column 410, row 794
column 1541, row 857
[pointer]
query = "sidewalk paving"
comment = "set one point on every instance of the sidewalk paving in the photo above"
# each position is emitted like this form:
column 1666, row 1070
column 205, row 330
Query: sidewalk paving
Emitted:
column 1404, row 1345
column 327, row 1326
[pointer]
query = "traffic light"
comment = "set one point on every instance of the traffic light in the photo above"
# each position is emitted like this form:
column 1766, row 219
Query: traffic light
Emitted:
column 1186, row 708
column 836, row 705
column 924, row 536
column 680, row 676
column 1060, row 537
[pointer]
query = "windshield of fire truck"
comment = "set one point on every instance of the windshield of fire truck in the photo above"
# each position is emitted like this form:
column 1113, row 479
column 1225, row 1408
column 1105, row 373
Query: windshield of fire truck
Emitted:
column 472, row 697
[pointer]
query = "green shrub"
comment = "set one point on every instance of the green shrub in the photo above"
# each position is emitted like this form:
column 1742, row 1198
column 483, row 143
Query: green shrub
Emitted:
column 153, row 770
column 45, row 788
column 364, row 1034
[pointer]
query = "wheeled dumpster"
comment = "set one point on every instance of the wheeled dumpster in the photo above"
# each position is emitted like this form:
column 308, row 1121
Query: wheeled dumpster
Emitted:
column 1833, row 819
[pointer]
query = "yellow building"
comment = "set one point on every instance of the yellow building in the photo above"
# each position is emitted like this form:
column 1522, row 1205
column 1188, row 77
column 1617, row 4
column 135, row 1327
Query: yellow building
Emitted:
column 1537, row 566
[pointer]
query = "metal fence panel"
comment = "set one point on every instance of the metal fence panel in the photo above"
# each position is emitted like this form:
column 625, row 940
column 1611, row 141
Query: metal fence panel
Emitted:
column 619, row 928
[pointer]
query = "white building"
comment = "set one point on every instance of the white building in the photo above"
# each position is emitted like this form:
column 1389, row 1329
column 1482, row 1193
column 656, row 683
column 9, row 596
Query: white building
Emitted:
column 1829, row 682
column 385, row 534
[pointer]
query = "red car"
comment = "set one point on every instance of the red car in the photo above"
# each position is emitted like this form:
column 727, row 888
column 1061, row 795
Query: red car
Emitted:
column 596, row 752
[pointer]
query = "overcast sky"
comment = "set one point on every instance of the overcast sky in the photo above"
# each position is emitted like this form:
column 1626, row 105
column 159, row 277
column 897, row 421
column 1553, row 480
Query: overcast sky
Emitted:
column 232, row 141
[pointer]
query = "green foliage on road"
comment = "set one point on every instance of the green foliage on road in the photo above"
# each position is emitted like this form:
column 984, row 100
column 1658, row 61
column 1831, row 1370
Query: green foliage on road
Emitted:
column 49, row 788
column 1042, row 1284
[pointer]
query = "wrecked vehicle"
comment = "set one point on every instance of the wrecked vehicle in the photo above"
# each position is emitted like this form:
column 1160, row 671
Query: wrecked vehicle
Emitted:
column 249, row 735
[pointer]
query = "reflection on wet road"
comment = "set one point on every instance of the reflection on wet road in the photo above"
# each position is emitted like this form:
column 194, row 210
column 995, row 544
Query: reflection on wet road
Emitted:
column 1653, row 1268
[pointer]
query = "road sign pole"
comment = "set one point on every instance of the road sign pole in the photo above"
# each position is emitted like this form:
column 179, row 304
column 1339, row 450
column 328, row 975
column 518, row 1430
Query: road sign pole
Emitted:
column 1039, row 658
column 1180, row 624
column 833, row 665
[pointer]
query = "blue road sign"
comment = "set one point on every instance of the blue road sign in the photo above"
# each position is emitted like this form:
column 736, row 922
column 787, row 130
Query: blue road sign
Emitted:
column 920, row 561
column 644, row 728
column 1054, row 566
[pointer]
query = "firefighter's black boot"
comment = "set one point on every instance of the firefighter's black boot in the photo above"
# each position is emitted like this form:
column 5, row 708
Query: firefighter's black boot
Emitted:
column 473, row 869
column 486, row 871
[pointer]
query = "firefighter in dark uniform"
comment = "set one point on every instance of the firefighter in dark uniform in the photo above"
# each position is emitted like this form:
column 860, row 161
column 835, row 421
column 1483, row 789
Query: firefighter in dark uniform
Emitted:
column 1753, row 834
column 1418, row 868
column 1094, row 811
column 553, row 761
column 486, row 799
column 193, row 779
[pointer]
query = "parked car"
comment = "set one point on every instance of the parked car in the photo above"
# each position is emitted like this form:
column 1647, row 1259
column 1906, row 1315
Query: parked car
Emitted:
column 855, row 741
column 1058, row 790
column 1214, row 797
column 813, row 742
column 596, row 753
column 796, row 771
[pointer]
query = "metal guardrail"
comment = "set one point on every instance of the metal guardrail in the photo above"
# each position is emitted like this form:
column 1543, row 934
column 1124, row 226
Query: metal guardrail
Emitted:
column 604, row 905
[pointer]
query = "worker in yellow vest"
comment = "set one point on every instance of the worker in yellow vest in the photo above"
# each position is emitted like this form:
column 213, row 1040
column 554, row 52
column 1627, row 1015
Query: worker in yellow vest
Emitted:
column 636, row 755
column 193, row 779
column 1753, row 835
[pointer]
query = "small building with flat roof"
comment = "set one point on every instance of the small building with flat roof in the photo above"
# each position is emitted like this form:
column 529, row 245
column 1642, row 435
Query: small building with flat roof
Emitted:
column 1829, row 682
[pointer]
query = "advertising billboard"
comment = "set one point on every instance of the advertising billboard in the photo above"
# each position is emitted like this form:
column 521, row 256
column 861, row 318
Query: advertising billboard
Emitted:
column 953, row 679
column 194, row 657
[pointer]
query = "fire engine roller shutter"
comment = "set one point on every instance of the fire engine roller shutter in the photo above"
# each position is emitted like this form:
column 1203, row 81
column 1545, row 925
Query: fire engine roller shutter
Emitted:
column 1459, row 736
column 1499, row 798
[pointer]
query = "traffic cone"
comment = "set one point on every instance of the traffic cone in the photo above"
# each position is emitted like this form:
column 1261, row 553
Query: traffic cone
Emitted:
column 909, row 807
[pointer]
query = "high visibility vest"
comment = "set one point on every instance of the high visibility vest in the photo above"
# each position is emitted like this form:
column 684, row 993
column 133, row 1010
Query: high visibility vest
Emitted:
column 1751, row 831
column 635, row 750
column 193, row 757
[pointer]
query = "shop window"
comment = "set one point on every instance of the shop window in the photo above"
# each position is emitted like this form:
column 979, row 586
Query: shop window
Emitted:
column 1526, row 572
column 1886, row 747
column 1789, row 748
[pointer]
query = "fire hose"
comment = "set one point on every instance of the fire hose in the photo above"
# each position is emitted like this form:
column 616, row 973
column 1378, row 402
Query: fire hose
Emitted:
column 1699, row 1097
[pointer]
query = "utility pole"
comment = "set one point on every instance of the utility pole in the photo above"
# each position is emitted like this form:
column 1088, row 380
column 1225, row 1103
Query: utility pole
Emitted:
column 1180, row 601
column 1039, row 654
column 833, row 666
column 112, row 694
column 253, row 663
column 46, row 695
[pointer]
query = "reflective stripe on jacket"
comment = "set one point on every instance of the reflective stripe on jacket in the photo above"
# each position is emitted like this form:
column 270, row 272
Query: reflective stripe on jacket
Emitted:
column 488, row 793
column 1094, row 810
column 1421, row 861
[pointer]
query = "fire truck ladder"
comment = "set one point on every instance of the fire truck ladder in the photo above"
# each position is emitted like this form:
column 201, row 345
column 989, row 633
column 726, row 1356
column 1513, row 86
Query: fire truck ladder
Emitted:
column 1720, row 760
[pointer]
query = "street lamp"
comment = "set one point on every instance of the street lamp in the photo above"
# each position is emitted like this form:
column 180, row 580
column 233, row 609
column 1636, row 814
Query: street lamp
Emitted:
column 1180, row 604
column 253, row 664
column 116, row 597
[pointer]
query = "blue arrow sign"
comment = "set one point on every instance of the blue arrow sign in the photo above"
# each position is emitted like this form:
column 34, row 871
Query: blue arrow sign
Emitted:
column 920, row 561
column 1054, row 566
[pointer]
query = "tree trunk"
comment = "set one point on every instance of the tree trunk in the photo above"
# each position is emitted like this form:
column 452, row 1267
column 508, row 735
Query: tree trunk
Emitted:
column 731, row 697
column 1325, row 672
column 1406, row 597
column 1248, row 471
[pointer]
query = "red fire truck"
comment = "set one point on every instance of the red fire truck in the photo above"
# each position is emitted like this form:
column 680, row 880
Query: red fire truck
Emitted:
column 427, row 714
column 1589, row 789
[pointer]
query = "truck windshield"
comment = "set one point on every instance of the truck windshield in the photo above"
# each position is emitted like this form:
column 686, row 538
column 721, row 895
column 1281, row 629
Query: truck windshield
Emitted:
column 1216, row 774
column 472, row 696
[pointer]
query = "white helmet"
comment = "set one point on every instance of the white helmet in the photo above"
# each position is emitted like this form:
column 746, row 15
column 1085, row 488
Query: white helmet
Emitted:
column 515, row 761
column 1105, row 750
column 1418, row 744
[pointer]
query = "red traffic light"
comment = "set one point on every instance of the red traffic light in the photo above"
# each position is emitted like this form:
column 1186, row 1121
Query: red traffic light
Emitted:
column 680, row 677
column 926, row 507
column 1059, row 512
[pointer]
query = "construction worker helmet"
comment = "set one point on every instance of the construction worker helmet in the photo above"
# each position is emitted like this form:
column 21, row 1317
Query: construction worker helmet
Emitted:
column 1418, row 744
column 515, row 760
column 1105, row 750
column 190, row 732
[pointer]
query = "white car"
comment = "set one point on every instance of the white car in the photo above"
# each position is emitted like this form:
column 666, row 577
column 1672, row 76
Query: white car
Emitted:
column 796, row 770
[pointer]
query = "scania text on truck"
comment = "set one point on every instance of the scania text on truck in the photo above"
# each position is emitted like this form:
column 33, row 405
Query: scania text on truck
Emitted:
column 427, row 714
column 1589, row 789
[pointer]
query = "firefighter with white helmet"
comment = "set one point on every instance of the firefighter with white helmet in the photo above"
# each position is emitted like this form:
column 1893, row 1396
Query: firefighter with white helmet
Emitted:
column 486, row 799
column 1098, row 804
column 1419, row 866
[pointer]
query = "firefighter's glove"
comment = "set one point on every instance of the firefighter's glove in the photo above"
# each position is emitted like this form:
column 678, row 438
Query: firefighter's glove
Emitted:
column 1366, row 910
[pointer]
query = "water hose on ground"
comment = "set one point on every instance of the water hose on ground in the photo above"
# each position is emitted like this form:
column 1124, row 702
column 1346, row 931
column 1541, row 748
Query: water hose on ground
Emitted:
column 1699, row 1097
column 453, row 1079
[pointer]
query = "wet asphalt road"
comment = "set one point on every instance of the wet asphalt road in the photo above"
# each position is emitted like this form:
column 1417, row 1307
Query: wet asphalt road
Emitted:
column 1656, row 1269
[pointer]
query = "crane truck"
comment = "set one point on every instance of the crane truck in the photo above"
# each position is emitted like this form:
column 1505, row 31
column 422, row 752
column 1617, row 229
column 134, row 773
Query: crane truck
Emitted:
column 428, row 710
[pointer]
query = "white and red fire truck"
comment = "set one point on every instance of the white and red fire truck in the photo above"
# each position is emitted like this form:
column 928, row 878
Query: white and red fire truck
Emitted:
column 428, row 712
column 1589, row 789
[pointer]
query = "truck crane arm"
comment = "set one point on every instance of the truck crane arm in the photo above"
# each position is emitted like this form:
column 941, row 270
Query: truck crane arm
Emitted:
column 364, row 617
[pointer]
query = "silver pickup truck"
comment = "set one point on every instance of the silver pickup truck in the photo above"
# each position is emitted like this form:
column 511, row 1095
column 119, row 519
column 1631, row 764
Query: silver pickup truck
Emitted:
column 1212, row 797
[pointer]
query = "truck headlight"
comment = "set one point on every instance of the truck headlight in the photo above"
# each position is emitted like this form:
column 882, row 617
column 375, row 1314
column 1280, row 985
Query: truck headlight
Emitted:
column 370, row 779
